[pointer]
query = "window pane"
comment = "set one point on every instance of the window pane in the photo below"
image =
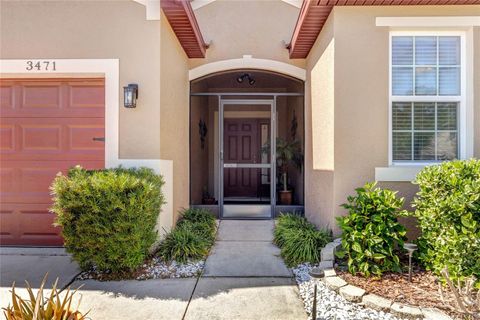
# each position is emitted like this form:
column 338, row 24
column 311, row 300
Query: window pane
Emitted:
column 449, row 50
column 425, row 50
column 402, row 81
column 447, row 145
column 424, row 116
column 425, row 81
column 402, row 116
column 449, row 82
column 424, row 145
column 402, row 50
column 402, row 146
column 447, row 116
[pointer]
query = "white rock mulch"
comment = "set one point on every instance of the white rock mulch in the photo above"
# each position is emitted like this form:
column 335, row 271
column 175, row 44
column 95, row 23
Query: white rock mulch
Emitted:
column 158, row 269
column 330, row 305
column 161, row 270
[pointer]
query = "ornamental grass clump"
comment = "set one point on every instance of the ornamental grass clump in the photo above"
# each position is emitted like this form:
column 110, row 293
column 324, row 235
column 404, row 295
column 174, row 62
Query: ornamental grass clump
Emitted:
column 299, row 240
column 192, row 237
column 371, row 232
column 108, row 217
column 447, row 207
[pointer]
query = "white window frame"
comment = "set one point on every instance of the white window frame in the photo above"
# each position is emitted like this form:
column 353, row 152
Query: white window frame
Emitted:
column 462, row 99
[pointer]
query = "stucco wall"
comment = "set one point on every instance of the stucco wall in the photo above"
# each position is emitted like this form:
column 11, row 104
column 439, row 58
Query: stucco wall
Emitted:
column 360, row 86
column 95, row 30
column 319, row 133
column 237, row 28
column 174, row 120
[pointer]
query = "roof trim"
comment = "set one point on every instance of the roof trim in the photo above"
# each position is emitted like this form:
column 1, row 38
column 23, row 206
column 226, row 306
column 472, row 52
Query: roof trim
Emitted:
column 180, row 15
column 314, row 14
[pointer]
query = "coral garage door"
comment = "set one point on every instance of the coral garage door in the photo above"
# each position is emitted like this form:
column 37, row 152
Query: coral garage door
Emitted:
column 46, row 126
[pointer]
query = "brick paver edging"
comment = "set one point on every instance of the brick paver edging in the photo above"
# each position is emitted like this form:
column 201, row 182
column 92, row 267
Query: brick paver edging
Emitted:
column 358, row 295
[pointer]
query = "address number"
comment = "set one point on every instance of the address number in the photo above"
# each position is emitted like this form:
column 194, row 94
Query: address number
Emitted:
column 41, row 65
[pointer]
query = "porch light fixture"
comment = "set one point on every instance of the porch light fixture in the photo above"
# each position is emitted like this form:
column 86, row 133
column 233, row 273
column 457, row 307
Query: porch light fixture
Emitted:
column 130, row 95
column 246, row 76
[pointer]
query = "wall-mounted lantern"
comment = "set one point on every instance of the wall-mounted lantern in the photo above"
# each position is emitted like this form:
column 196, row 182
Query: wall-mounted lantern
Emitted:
column 130, row 95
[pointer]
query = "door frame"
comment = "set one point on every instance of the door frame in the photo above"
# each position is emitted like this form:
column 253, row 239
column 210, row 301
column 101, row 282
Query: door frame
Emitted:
column 271, row 165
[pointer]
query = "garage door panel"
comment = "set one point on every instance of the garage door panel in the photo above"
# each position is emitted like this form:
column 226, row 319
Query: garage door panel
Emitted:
column 87, row 96
column 24, row 224
column 52, row 139
column 7, row 138
column 6, row 97
column 29, row 181
column 52, row 98
column 47, row 126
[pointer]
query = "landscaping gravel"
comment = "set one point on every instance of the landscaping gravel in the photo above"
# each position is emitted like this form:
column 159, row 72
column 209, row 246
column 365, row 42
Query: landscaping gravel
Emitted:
column 330, row 305
column 159, row 269
column 154, row 269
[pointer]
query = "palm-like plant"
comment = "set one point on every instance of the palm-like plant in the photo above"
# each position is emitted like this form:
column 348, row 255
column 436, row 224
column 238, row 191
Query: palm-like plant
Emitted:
column 288, row 152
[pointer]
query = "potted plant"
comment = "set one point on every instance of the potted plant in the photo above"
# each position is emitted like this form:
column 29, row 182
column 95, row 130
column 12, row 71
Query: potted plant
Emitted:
column 288, row 153
column 206, row 197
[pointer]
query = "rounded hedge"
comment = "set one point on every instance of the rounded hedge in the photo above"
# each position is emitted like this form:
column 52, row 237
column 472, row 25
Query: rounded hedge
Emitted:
column 448, row 212
column 108, row 216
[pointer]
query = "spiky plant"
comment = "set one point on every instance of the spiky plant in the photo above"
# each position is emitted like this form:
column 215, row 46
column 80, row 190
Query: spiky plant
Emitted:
column 56, row 306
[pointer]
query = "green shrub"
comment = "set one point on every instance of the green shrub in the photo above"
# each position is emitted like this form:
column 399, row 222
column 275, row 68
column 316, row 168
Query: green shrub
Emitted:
column 198, row 215
column 299, row 240
column 371, row 231
column 192, row 238
column 448, row 212
column 183, row 244
column 108, row 216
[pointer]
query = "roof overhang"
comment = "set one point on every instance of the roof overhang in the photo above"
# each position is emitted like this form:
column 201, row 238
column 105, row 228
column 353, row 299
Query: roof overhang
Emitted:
column 180, row 15
column 314, row 14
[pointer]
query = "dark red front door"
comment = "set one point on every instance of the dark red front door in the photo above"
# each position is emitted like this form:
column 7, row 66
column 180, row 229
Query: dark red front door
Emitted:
column 241, row 145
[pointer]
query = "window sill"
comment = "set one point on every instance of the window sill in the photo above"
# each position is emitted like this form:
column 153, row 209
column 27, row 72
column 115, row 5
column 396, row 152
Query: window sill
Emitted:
column 398, row 172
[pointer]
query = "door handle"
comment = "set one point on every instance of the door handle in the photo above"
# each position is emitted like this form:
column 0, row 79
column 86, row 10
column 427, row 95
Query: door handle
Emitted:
column 98, row 139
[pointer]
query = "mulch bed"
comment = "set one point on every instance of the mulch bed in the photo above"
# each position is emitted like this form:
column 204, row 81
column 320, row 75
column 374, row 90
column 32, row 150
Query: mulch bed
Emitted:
column 422, row 291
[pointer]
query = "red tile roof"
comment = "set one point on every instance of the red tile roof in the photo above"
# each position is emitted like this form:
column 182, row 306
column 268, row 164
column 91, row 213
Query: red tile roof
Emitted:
column 180, row 15
column 314, row 13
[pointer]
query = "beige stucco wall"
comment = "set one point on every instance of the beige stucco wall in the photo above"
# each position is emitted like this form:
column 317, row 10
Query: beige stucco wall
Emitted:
column 237, row 28
column 360, row 98
column 319, row 133
column 95, row 30
column 174, row 120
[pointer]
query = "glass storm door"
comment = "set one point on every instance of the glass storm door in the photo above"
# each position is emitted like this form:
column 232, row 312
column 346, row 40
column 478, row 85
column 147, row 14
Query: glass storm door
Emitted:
column 247, row 132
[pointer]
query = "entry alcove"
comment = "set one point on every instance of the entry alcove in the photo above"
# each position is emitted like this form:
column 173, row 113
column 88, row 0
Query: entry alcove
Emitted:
column 235, row 117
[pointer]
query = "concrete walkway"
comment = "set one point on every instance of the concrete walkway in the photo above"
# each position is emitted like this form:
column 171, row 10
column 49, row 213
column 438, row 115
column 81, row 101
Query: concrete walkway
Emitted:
column 244, row 278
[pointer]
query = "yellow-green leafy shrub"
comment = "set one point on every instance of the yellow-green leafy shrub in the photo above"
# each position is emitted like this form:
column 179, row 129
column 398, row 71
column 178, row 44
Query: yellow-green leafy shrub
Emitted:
column 448, row 212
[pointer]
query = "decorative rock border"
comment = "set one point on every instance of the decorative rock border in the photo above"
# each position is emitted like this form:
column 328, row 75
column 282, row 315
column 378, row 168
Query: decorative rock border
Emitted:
column 355, row 294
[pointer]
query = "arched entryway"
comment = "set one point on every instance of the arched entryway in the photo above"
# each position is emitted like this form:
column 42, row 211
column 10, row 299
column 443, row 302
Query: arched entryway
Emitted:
column 235, row 118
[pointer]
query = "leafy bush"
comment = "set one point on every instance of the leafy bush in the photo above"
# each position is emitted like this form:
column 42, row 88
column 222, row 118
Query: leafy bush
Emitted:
column 108, row 216
column 448, row 212
column 299, row 240
column 192, row 238
column 39, row 307
column 371, row 231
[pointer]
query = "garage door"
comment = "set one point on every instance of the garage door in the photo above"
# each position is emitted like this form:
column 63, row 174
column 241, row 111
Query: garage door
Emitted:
column 46, row 126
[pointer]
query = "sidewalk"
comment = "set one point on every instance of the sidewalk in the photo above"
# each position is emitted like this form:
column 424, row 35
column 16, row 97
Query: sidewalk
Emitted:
column 244, row 278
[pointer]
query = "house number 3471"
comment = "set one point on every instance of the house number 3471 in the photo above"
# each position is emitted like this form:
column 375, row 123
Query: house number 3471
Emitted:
column 41, row 65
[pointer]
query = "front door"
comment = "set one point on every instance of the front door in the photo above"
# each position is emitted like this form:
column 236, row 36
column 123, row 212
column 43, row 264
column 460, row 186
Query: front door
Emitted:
column 246, row 134
column 241, row 146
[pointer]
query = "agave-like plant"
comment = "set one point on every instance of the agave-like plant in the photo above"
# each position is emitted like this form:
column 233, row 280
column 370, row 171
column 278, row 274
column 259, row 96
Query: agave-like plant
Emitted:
column 39, row 307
